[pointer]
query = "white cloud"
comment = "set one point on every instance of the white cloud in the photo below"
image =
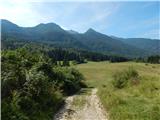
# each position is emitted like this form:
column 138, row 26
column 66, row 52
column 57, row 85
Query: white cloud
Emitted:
column 18, row 12
column 99, row 15
column 29, row 13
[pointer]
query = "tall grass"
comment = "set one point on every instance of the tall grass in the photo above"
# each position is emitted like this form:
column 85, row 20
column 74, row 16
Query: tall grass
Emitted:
column 124, row 77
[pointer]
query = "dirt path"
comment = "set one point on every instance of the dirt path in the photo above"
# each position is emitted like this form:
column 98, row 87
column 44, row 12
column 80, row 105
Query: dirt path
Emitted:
column 82, row 107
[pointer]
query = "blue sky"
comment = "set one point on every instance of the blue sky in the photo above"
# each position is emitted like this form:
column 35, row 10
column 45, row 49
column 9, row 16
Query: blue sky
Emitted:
column 122, row 19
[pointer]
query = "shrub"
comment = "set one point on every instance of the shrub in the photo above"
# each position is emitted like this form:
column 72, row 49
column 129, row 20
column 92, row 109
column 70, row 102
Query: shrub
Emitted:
column 71, row 80
column 122, row 78
column 33, row 87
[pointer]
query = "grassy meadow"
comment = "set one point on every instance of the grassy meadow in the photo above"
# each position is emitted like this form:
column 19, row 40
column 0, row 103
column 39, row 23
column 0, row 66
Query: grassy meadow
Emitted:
column 139, row 101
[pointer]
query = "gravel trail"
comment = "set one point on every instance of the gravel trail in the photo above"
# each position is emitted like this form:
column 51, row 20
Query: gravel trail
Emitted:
column 89, row 108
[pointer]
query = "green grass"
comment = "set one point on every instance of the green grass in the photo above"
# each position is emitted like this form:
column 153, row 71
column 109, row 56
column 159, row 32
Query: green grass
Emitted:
column 133, row 102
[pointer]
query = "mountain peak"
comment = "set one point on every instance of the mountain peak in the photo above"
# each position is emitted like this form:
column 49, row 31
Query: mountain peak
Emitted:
column 49, row 26
column 72, row 32
column 90, row 30
column 8, row 26
column 4, row 20
column 7, row 22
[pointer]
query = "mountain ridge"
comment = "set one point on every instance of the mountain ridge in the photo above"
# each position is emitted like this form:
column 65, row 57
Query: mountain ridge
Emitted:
column 89, row 40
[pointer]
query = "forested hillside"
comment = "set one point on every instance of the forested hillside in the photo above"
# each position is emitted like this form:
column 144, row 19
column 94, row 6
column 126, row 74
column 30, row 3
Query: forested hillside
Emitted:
column 152, row 45
column 91, row 40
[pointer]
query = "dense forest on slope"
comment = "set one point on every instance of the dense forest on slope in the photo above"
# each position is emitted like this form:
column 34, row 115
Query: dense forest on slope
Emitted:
column 60, row 54
column 146, row 44
column 91, row 40
column 152, row 45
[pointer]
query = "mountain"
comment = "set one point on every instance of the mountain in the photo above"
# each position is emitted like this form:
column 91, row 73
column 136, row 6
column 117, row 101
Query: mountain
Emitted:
column 102, row 43
column 53, row 34
column 45, row 33
column 151, row 45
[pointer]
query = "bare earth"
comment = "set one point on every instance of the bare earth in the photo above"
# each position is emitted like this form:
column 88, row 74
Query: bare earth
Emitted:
column 89, row 107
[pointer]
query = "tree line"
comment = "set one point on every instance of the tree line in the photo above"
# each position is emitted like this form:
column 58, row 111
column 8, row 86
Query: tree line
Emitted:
column 63, row 54
column 154, row 59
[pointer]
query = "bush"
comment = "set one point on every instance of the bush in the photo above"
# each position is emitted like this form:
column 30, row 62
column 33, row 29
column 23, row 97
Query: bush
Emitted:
column 71, row 80
column 119, row 80
column 33, row 87
column 122, row 78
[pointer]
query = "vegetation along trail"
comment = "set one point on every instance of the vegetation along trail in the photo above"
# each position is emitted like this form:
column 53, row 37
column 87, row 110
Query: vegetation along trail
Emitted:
column 83, row 106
